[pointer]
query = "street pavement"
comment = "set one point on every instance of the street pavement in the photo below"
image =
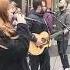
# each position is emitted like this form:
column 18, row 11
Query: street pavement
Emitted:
column 55, row 62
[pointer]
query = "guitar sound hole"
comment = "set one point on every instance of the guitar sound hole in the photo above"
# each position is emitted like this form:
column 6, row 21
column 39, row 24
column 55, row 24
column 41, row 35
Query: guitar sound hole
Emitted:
column 43, row 40
column 41, row 47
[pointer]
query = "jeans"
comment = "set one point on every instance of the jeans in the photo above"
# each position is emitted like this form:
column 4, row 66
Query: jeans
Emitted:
column 62, row 47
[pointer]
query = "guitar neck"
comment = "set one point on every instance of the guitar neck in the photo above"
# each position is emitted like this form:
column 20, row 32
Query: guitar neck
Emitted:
column 56, row 34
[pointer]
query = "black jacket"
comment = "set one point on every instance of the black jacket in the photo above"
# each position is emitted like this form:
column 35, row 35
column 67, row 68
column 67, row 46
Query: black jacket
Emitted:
column 37, row 25
column 12, row 58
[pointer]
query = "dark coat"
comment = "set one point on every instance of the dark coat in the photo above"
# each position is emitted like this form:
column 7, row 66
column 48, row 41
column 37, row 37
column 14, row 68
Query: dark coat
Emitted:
column 37, row 25
column 14, row 58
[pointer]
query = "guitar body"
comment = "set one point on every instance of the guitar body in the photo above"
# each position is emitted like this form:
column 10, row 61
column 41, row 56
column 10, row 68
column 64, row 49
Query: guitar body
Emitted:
column 34, row 50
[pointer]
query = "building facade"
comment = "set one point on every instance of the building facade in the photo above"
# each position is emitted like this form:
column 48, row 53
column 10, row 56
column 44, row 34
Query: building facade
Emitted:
column 53, row 4
column 27, row 4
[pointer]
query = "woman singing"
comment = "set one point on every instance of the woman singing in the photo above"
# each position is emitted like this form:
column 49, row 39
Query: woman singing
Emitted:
column 13, row 42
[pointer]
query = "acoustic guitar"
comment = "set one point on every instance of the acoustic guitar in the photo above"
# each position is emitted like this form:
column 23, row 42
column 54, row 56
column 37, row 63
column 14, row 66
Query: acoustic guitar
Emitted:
column 45, row 38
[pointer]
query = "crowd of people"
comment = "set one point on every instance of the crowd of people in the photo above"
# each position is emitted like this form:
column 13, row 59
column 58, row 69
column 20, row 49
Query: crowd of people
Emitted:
column 17, row 30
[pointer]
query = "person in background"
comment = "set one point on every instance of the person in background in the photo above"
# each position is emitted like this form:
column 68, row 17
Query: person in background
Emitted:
column 18, row 13
column 11, row 10
column 62, row 41
column 48, row 16
column 14, row 12
column 44, row 6
column 38, row 26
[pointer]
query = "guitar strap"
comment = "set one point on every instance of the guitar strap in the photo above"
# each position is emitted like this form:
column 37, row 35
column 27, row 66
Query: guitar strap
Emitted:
column 46, row 25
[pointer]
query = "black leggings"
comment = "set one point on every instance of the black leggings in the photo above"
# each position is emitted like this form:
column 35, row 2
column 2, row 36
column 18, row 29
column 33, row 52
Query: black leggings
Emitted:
column 43, row 60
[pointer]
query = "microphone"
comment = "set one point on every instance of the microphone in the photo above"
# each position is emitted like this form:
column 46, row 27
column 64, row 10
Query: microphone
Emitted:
column 31, row 19
column 54, row 13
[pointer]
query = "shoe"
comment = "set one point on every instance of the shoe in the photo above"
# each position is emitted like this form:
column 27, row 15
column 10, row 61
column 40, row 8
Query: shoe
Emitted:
column 67, row 69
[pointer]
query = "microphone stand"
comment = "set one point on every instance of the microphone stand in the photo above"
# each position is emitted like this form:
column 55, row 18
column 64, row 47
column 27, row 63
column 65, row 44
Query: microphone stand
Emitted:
column 61, row 22
column 31, row 19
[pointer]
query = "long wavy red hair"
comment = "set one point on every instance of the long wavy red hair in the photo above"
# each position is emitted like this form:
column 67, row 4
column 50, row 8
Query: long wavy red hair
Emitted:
column 5, row 25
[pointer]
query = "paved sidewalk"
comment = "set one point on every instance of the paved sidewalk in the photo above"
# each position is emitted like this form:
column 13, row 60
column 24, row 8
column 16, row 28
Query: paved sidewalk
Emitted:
column 55, row 62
